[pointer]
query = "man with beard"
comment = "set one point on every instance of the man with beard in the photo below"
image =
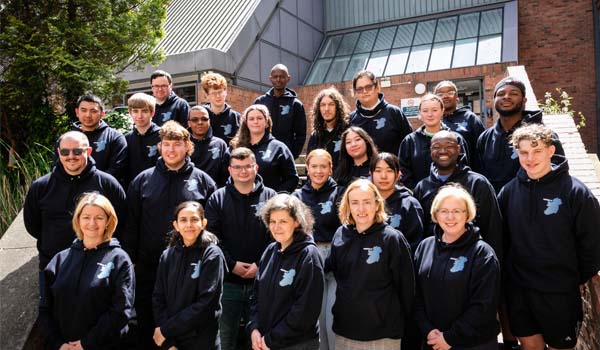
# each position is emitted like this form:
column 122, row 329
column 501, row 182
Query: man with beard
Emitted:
column 497, row 159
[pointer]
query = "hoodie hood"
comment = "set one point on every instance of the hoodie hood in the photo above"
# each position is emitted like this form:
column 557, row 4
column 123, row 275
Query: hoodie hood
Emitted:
column 186, row 168
column 97, row 131
column 327, row 186
column 470, row 236
column 110, row 244
column 400, row 192
column 288, row 93
column 301, row 240
column 559, row 167
column 369, row 113
column 88, row 171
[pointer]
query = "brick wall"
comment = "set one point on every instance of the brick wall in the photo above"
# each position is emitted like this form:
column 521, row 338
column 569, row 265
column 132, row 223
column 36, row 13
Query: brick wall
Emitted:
column 556, row 46
column 238, row 98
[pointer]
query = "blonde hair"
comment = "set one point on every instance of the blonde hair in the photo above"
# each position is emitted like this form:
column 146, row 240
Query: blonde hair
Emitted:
column 457, row 191
column 97, row 200
column 431, row 97
column 319, row 152
column 141, row 100
column 365, row 185
column 172, row 130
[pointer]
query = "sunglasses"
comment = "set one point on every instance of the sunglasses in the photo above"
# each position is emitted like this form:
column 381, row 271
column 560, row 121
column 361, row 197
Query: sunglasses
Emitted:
column 76, row 151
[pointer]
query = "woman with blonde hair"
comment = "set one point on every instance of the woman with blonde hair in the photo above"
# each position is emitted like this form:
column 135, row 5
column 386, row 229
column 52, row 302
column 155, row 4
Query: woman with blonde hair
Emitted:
column 372, row 265
column 458, row 278
column 275, row 161
column 88, row 291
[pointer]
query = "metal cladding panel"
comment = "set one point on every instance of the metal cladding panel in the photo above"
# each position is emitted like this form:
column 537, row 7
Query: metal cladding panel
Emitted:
column 342, row 14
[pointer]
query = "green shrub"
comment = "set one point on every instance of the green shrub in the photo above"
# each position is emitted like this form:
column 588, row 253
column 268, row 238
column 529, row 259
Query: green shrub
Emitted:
column 561, row 105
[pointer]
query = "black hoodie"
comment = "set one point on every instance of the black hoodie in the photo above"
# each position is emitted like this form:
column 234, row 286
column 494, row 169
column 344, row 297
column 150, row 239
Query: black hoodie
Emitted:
column 51, row 200
column 553, row 242
column 153, row 196
column 109, row 148
column 386, row 124
column 174, row 108
column 142, row 151
column 415, row 155
column 467, row 124
column 289, row 118
column 288, row 288
column 405, row 215
column 88, row 296
column 375, row 282
column 331, row 142
column 275, row 164
column 187, row 295
column 458, row 288
column 235, row 219
column 488, row 219
column 496, row 158
column 211, row 154
column 225, row 124
column 324, row 205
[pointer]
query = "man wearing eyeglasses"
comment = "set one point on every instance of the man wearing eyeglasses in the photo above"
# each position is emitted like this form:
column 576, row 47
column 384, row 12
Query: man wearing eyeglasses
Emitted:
column 51, row 200
column 211, row 154
column 224, row 121
column 169, row 106
column 461, row 120
column 233, row 214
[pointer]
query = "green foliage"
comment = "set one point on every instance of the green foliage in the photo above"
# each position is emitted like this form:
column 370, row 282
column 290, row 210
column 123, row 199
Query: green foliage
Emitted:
column 120, row 121
column 561, row 105
column 16, row 176
column 52, row 51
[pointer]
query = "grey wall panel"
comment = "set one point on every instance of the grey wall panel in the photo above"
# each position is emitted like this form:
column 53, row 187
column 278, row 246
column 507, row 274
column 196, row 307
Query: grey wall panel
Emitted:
column 318, row 14
column 289, row 31
column 250, row 69
column 305, row 10
column 273, row 33
column 269, row 56
column 352, row 13
column 290, row 5
column 510, row 43
column 306, row 36
column 291, row 62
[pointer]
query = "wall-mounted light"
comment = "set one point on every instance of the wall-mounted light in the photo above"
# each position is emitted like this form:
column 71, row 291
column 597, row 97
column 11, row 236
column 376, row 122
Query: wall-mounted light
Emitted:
column 420, row 88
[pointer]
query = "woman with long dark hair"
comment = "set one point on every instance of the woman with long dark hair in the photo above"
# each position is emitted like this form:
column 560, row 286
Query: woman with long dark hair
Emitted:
column 357, row 151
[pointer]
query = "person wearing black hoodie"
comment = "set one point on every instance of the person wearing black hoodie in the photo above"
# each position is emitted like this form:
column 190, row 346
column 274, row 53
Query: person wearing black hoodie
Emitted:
column 275, row 161
column 169, row 106
column 385, row 122
column 495, row 157
column 358, row 148
column 461, row 120
column 321, row 193
column 283, row 313
column 224, row 120
column 51, row 199
column 88, row 293
column 233, row 214
column 458, row 278
column 210, row 153
column 142, row 141
column 551, row 221
column 286, row 110
column 373, row 268
column 446, row 168
column 109, row 148
column 189, row 283
column 152, row 196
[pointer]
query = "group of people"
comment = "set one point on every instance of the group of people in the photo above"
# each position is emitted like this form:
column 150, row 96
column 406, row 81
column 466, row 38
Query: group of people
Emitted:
column 194, row 225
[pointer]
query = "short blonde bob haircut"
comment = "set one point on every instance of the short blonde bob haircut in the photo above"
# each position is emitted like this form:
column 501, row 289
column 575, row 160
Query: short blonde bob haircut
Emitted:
column 98, row 200
column 364, row 185
column 457, row 191
column 319, row 152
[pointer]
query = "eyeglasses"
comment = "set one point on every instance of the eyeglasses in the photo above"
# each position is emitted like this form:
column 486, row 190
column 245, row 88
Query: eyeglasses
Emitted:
column 217, row 93
column 446, row 212
column 449, row 93
column 76, row 151
column 198, row 120
column 246, row 167
column 365, row 89
column 159, row 87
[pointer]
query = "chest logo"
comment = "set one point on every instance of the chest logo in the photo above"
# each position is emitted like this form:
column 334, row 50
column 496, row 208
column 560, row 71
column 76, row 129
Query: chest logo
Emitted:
column 265, row 154
column 215, row 152
column 258, row 207
column 337, row 146
column 374, row 254
column 288, row 277
column 514, row 154
column 285, row 110
column 552, row 205
column 227, row 128
column 380, row 123
column 197, row 266
column 100, row 146
column 152, row 150
column 192, row 185
column 395, row 220
column 461, row 126
column 459, row 263
column 326, row 207
column 105, row 270
column 166, row 116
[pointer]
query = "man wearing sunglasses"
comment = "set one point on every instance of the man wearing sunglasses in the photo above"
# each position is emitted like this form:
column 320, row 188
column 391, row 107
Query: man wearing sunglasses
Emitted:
column 51, row 200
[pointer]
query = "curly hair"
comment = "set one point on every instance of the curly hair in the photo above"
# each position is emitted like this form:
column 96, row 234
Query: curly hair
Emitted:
column 173, row 131
column 242, row 138
column 534, row 133
column 342, row 110
column 295, row 208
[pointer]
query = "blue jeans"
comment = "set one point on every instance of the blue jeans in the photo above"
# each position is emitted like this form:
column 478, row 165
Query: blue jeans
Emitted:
column 236, row 306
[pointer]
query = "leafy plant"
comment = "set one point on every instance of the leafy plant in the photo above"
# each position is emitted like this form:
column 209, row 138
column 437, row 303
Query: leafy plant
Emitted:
column 121, row 121
column 561, row 105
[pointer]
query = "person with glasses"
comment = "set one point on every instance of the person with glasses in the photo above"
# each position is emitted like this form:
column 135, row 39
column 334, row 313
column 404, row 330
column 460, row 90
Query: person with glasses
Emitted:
column 223, row 119
column 233, row 215
column 461, row 120
column 458, row 278
column 51, row 199
column 286, row 110
column 169, row 106
column 385, row 122
column 275, row 161
column 142, row 141
column 211, row 154
column 447, row 167
column 414, row 154
column 152, row 197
